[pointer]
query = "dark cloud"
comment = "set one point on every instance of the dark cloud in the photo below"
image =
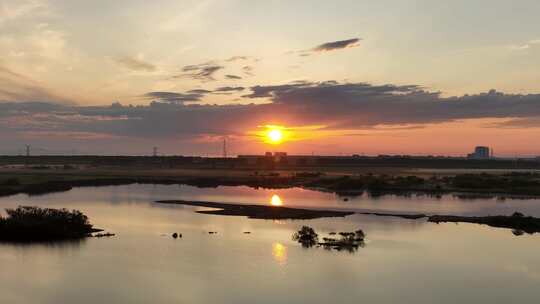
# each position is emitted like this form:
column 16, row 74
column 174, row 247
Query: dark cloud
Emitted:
column 339, row 106
column 203, row 72
column 135, row 64
column 327, row 47
column 229, row 76
column 173, row 97
column 229, row 89
column 336, row 45
column 199, row 91
column 365, row 105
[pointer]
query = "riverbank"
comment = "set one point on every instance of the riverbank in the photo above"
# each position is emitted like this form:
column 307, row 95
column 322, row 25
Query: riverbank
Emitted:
column 469, row 185
column 518, row 222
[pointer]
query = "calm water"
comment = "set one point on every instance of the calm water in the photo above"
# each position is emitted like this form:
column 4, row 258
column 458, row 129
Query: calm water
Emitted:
column 403, row 261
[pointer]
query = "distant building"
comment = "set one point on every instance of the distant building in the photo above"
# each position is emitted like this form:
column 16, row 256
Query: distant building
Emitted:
column 480, row 152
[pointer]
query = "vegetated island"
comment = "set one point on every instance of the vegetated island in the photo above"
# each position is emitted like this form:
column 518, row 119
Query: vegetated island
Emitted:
column 518, row 222
column 34, row 224
column 259, row 211
column 349, row 241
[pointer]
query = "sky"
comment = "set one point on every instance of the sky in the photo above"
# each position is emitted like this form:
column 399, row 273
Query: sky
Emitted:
column 415, row 77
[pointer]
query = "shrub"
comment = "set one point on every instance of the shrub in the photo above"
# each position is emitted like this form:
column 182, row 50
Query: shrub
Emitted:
column 34, row 223
column 306, row 236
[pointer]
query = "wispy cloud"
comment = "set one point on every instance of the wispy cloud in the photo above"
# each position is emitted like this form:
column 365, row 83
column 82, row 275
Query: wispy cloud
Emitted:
column 228, row 90
column 203, row 72
column 525, row 46
column 329, row 46
column 174, row 97
column 18, row 87
column 135, row 64
column 233, row 77
column 337, row 45
column 248, row 70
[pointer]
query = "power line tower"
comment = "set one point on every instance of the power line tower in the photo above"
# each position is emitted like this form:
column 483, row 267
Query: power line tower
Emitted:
column 224, row 147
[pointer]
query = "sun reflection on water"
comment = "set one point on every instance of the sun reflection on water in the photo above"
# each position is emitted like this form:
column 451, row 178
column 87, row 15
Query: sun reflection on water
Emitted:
column 279, row 251
column 276, row 200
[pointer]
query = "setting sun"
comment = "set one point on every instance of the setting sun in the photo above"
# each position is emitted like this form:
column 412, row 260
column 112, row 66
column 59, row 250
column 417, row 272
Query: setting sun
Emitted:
column 276, row 200
column 275, row 136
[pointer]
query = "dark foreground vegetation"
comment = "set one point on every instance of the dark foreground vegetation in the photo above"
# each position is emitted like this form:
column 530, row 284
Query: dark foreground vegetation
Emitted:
column 29, row 224
column 518, row 222
column 349, row 241
column 259, row 211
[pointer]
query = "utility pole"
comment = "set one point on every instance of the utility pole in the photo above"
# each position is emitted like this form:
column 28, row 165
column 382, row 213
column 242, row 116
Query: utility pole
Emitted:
column 155, row 151
column 27, row 150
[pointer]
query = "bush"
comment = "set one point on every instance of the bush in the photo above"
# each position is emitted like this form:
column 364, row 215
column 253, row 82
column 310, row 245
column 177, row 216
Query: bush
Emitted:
column 34, row 223
column 306, row 236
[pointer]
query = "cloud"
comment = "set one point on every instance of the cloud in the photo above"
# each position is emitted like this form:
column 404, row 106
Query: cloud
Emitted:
column 237, row 58
column 18, row 87
column 337, row 106
column 361, row 105
column 199, row 91
column 248, row 70
column 235, row 77
column 229, row 89
column 135, row 64
column 328, row 46
column 525, row 46
column 18, row 9
column 337, row 45
column 518, row 123
column 175, row 98
column 203, row 72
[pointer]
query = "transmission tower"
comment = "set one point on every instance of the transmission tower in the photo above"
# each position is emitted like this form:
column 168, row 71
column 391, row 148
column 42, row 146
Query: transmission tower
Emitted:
column 224, row 147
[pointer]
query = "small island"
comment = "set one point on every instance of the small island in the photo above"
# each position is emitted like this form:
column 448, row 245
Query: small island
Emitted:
column 260, row 211
column 349, row 241
column 35, row 224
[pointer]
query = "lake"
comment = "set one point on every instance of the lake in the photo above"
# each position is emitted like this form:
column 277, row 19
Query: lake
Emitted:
column 403, row 261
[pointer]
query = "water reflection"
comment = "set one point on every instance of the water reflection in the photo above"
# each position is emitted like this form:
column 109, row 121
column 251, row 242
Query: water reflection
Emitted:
column 279, row 252
column 62, row 245
column 276, row 200
column 228, row 268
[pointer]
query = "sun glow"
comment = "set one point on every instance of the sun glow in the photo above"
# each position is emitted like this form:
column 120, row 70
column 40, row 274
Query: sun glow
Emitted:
column 276, row 200
column 274, row 135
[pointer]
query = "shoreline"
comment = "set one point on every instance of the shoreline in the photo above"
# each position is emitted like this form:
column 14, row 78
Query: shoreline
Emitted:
column 468, row 186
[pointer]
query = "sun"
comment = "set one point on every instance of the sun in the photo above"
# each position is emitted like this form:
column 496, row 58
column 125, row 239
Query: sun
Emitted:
column 276, row 200
column 275, row 136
